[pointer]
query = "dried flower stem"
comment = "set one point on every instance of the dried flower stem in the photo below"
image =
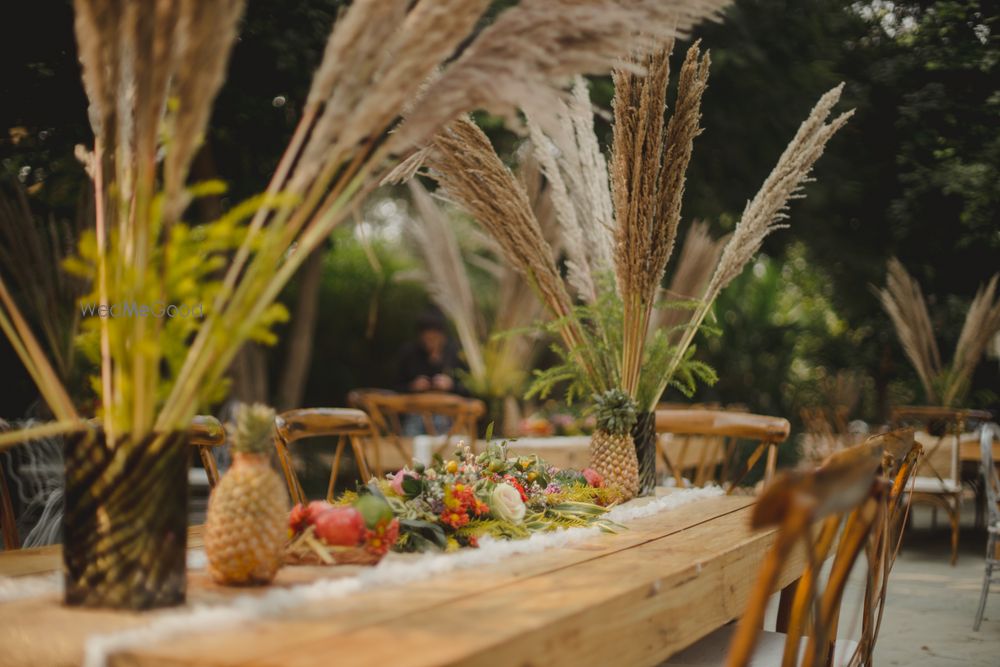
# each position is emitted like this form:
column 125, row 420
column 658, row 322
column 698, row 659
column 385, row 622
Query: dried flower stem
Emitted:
column 764, row 213
column 649, row 163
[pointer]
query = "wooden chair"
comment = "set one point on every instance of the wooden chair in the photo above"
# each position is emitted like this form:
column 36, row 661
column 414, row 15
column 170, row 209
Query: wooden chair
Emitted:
column 827, row 511
column 347, row 425
column 386, row 410
column 205, row 433
column 991, row 489
column 706, row 441
column 938, row 481
column 364, row 399
column 900, row 459
column 826, row 431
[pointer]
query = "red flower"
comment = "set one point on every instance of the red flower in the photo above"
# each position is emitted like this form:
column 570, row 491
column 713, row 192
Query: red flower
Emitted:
column 392, row 532
column 593, row 477
column 381, row 539
column 472, row 541
column 517, row 485
column 479, row 508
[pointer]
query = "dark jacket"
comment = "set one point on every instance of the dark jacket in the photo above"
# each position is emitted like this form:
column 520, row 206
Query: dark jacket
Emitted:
column 414, row 362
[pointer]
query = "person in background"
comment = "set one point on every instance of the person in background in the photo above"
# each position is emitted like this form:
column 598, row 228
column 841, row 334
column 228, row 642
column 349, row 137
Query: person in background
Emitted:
column 429, row 363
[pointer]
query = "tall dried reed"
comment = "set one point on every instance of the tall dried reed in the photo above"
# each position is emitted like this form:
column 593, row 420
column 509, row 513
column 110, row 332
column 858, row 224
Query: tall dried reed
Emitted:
column 695, row 262
column 649, row 162
column 492, row 335
column 766, row 211
column 152, row 70
column 903, row 300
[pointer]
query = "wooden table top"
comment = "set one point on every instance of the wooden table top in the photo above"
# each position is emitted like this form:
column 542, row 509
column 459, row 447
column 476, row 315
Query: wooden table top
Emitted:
column 632, row 598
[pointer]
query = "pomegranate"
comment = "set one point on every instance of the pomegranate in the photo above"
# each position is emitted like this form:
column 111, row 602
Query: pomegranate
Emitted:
column 340, row 526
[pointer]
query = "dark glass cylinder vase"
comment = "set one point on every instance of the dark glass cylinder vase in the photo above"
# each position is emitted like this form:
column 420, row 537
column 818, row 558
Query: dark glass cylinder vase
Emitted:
column 644, row 437
column 125, row 520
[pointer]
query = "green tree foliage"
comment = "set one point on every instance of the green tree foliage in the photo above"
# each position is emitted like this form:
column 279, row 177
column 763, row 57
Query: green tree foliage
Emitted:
column 914, row 174
column 367, row 313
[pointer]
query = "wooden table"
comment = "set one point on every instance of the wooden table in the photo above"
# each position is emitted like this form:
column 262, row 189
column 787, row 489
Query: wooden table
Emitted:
column 628, row 599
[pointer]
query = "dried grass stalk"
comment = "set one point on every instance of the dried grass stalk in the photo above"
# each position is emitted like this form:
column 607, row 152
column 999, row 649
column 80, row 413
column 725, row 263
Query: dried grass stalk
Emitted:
column 696, row 260
column 447, row 278
column 574, row 166
column 982, row 323
column 764, row 213
column 649, row 163
column 498, row 357
column 904, row 302
column 525, row 55
column 206, row 31
column 472, row 176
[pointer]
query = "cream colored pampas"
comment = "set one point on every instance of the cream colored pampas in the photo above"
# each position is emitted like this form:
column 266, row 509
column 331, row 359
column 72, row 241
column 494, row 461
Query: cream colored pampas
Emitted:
column 904, row 302
column 151, row 71
column 627, row 229
column 695, row 262
column 766, row 211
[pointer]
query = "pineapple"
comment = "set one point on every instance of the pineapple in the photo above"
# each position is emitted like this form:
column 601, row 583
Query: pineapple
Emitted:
column 612, row 452
column 246, row 529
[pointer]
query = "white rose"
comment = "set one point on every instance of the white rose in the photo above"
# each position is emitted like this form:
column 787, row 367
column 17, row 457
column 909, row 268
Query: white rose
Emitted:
column 506, row 504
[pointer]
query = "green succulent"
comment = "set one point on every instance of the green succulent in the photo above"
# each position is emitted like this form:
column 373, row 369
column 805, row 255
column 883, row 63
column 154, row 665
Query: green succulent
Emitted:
column 615, row 411
column 254, row 428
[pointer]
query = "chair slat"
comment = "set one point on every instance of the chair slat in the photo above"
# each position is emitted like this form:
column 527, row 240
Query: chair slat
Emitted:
column 842, row 507
column 718, row 431
column 348, row 425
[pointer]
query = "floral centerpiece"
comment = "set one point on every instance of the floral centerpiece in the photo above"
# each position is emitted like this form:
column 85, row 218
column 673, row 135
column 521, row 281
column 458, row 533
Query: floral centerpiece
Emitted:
column 454, row 503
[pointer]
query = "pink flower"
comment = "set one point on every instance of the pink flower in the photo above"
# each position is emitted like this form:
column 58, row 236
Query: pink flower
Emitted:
column 593, row 477
column 397, row 480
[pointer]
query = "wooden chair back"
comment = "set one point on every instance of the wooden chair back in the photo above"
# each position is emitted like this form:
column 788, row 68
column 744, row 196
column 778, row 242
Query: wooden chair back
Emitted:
column 708, row 439
column 387, row 409
column 826, row 431
column 205, row 433
column 813, row 508
column 943, row 427
column 348, row 426
column 900, row 461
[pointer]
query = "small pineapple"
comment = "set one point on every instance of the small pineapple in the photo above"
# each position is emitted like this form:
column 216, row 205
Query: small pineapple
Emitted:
column 612, row 452
column 246, row 528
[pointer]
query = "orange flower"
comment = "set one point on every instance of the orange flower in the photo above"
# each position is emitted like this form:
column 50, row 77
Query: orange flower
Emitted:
column 454, row 519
